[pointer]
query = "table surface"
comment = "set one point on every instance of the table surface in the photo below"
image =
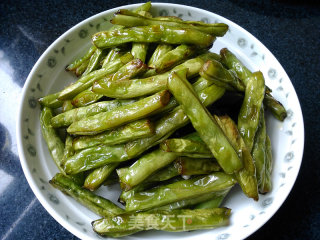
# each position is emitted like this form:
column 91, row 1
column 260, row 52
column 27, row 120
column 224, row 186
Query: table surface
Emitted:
column 289, row 29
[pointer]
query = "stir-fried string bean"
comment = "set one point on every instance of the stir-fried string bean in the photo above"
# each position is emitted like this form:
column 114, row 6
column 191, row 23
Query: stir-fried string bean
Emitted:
column 139, row 83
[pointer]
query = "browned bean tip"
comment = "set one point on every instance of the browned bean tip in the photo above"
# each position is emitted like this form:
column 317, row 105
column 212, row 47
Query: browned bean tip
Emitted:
column 165, row 97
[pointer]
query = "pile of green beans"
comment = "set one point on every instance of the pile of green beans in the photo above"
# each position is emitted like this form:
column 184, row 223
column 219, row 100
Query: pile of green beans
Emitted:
column 143, row 115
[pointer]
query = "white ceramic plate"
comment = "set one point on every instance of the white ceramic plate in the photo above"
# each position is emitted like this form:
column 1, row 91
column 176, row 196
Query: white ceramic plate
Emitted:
column 48, row 76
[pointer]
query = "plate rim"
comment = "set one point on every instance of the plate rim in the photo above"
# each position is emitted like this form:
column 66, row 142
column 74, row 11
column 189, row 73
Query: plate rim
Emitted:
column 21, row 152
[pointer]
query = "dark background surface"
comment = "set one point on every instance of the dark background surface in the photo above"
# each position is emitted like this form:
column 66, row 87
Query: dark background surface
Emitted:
column 289, row 29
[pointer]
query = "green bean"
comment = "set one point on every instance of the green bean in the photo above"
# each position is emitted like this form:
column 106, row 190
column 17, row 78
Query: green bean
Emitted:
column 128, row 71
column 143, row 7
column 168, row 18
column 136, row 50
column 97, row 177
column 275, row 107
column 166, row 173
column 246, row 177
column 184, row 166
column 210, row 203
column 95, row 157
column 174, row 57
column 76, row 63
column 114, row 53
column 248, row 118
column 261, row 156
column 94, row 61
column 214, row 202
column 67, row 118
column 140, row 87
column 140, row 187
column 106, row 120
column 51, row 101
column 82, row 68
column 159, row 177
column 204, row 57
column 243, row 73
column 214, row 71
column 68, row 148
column 86, row 98
column 54, row 143
column 268, row 169
column 204, row 123
column 186, row 147
column 180, row 190
column 162, row 111
column 231, row 61
column 149, row 34
column 144, row 167
column 66, row 106
column 160, row 50
column 127, row 19
column 201, row 84
column 68, row 152
column 191, row 166
column 131, row 88
column 131, row 69
column 97, row 204
column 188, row 203
column 164, row 127
column 129, row 223
column 194, row 136
column 180, row 166
column 86, row 81
column 234, row 64
column 259, row 149
column 145, row 14
column 130, row 131
column 139, row 51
